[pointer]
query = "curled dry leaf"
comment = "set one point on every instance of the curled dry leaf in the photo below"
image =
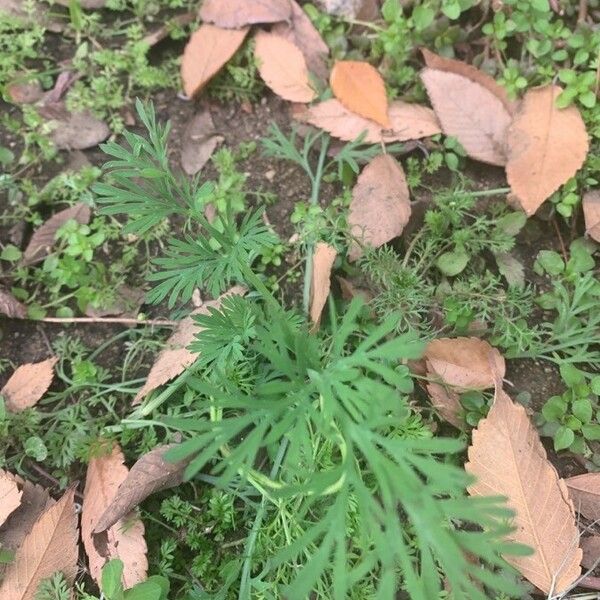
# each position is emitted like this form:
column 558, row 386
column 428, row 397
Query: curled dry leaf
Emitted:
column 546, row 146
column 282, row 67
column 125, row 539
column 407, row 122
column 303, row 34
column 150, row 474
column 590, row 546
column 43, row 238
column 447, row 403
column 28, row 384
column 360, row 88
column 174, row 358
column 207, row 51
column 380, row 206
column 11, row 307
column 50, row 546
column 10, row 496
column 323, row 259
column 591, row 213
column 469, row 112
column 508, row 459
column 465, row 363
column 585, row 493
column 200, row 140
column 239, row 13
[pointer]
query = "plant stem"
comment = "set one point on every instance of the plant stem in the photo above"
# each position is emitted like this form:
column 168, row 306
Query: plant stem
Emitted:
column 495, row 192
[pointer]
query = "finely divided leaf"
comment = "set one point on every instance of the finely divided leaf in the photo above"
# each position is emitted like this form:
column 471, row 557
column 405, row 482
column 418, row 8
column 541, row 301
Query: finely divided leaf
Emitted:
column 28, row 384
column 323, row 259
column 239, row 13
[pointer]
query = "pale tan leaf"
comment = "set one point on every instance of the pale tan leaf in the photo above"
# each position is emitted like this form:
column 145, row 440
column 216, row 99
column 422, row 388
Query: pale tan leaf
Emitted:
column 470, row 72
column 10, row 496
column 150, row 474
column 174, row 358
column 465, row 363
column 323, row 259
column 591, row 213
column 585, row 493
column 301, row 32
column 546, row 147
column 28, row 384
column 447, row 403
column 407, row 122
column 207, row 51
column 508, row 459
column 360, row 88
column 380, row 206
column 11, row 307
column 469, row 112
column 51, row 546
column 590, row 546
column 125, row 539
column 199, row 141
column 238, row 13
column 43, row 238
column 282, row 67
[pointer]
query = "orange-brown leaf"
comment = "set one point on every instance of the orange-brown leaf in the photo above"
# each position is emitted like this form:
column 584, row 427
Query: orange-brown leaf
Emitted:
column 51, row 546
column 323, row 259
column 239, row 13
column 407, row 122
column 508, row 459
column 591, row 213
column 282, row 67
column 546, row 147
column 10, row 496
column 125, row 539
column 380, row 206
column 207, row 51
column 360, row 88
column 469, row 112
column 585, row 493
column 28, row 384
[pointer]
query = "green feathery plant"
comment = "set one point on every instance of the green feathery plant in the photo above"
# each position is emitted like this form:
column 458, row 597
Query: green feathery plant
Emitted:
column 267, row 394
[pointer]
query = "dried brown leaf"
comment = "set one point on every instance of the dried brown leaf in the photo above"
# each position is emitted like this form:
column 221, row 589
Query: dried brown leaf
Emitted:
column 508, row 459
column 360, row 88
column 28, row 384
column 43, row 238
column 207, row 51
column 546, row 147
column 303, row 34
column 407, row 122
column 282, row 67
column 174, row 358
column 380, row 206
column 323, row 259
column 591, row 213
column 51, row 546
column 469, row 112
column 73, row 130
column 447, row 403
column 125, row 539
column 464, row 363
column 10, row 496
column 150, row 474
column 24, row 91
column 200, row 139
column 11, row 307
column 590, row 546
column 585, row 493
column 239, row 13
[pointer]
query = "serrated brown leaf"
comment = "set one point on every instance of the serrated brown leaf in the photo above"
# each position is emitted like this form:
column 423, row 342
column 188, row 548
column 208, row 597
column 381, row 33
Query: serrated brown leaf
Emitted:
column 323, row 259
column 125, row 539
column 508, row 459
column 11, row 307
column 239, row 13
column 450, row 65
column 200, row 139
column 360, row 88
column 282, row 67
column 10, row 496
column 43, row 238
column 447, row 403
column 207, row 51
column 380, row 206
column 302, row 33
column 590, row 546
column 546, row 147
column 591, row 213
column 150, row 474
column 469, row 112
column 585, row 493
column 407, row 122
column 174, row 358
column 28, row 384
column 51, row 546
column 464, row 363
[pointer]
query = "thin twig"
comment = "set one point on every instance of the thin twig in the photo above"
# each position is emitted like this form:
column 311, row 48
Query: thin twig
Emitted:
column 583, row 11
column 49, row 477
column 563, row 248
column 121, row 320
